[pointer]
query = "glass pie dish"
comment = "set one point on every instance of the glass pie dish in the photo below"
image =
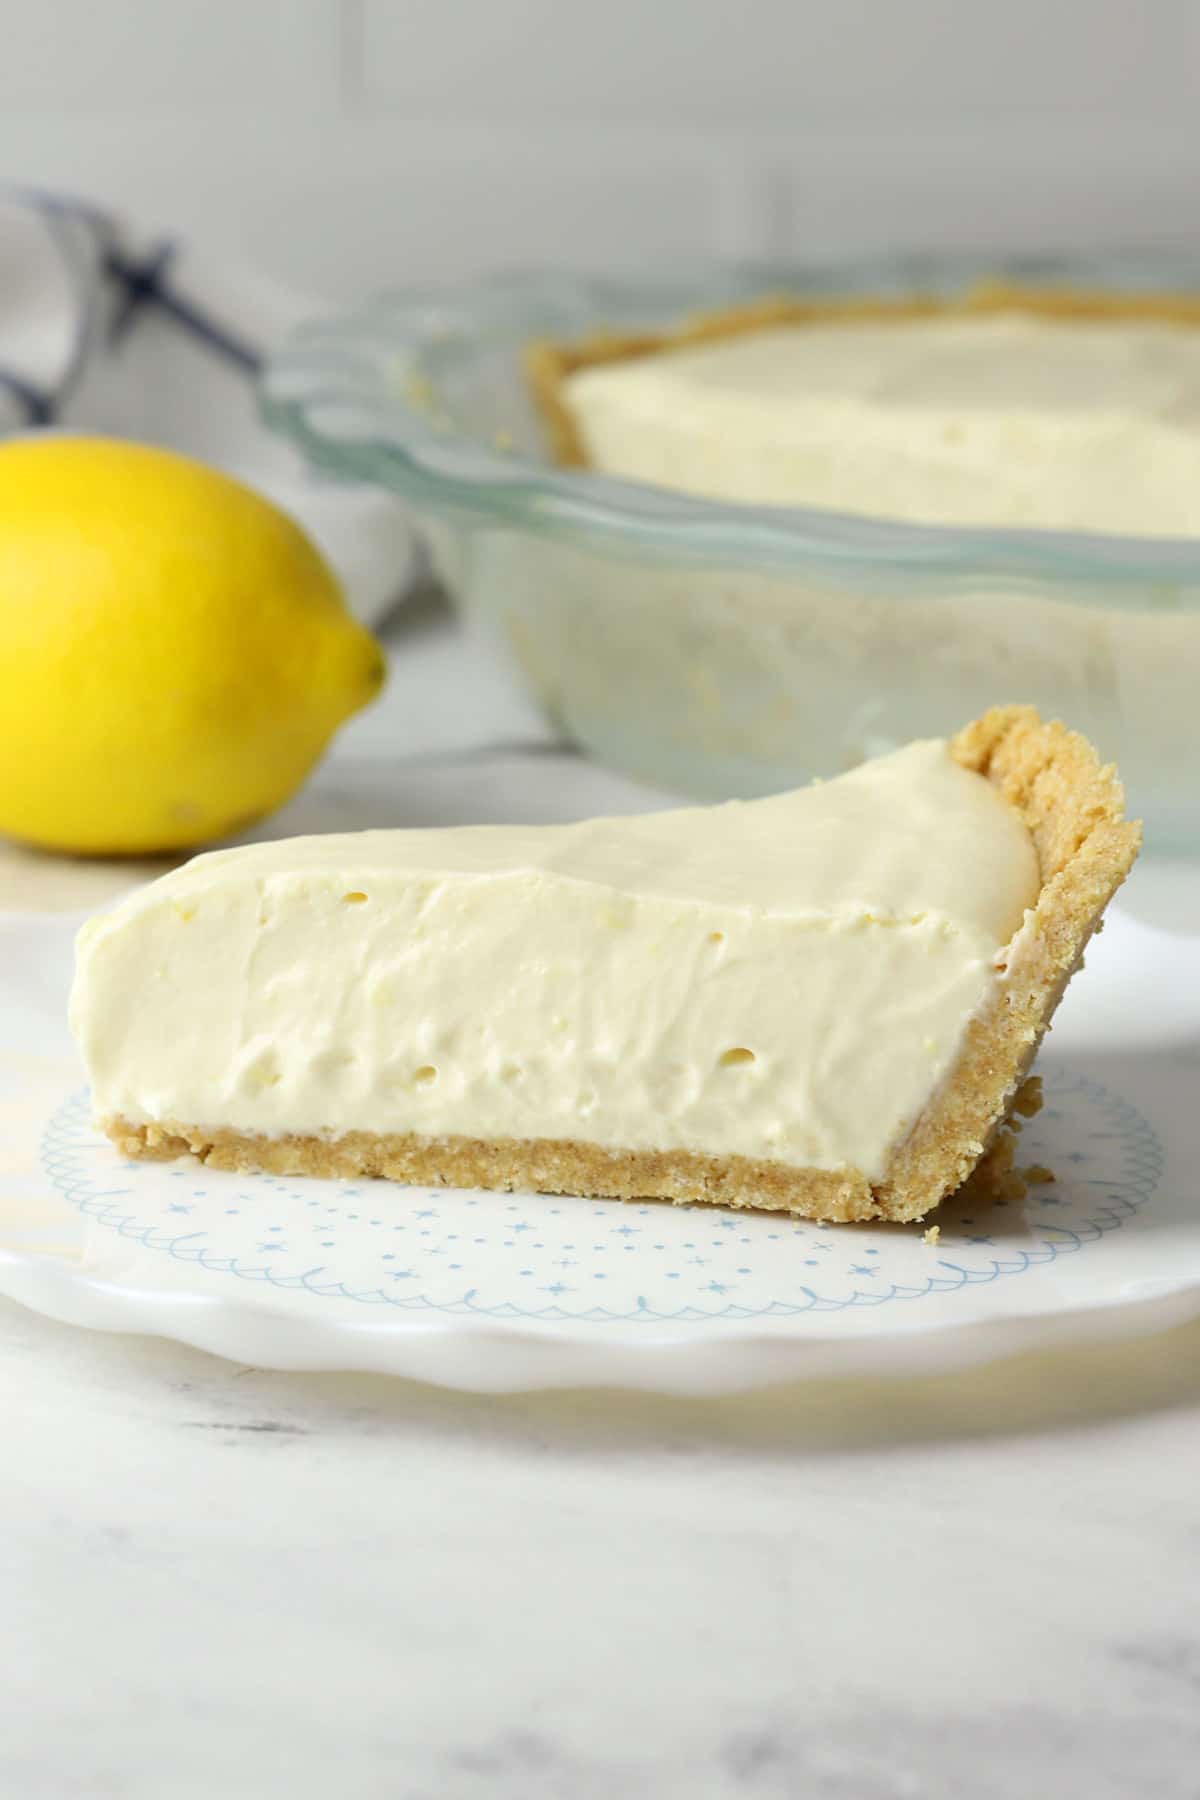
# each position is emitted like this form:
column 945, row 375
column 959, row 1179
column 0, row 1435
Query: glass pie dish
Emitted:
column 724, row 649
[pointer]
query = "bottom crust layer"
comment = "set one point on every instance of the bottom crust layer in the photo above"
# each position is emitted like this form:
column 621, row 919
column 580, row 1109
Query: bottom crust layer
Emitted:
column 554, row 1166
column 540, row 1165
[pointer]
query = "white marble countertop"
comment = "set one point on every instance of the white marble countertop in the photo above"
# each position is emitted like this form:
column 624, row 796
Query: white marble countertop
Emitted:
column 220, row 1581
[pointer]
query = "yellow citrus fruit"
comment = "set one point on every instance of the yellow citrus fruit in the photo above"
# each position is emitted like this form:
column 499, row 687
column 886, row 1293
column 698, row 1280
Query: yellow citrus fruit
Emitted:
column 174, row 652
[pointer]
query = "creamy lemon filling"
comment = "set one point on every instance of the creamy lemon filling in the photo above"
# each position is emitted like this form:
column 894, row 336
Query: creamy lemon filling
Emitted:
column 1004, row 419
column 787, row 978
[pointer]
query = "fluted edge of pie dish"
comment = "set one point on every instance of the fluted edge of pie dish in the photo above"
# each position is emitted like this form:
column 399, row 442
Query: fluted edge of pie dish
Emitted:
column 361, row 393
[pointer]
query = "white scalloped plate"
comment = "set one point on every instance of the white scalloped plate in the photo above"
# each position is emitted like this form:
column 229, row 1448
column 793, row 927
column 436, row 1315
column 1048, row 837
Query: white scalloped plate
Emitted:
column 509, row 1291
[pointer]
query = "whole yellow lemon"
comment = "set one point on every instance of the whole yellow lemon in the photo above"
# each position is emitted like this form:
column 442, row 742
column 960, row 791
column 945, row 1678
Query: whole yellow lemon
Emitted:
column 174, row 652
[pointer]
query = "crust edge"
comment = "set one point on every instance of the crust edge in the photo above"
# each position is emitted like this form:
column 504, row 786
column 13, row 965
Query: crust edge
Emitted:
column 1074, row 810
column 548, row 362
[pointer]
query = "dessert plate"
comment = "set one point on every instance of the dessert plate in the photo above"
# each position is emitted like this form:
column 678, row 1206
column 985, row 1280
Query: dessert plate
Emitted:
column 501, row 1292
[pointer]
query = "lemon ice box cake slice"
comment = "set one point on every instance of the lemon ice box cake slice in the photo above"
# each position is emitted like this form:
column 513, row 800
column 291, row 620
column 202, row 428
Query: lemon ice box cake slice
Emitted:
column 823, row 1002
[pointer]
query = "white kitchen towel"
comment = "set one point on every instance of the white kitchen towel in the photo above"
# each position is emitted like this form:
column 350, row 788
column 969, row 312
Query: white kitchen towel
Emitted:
column 109, row 330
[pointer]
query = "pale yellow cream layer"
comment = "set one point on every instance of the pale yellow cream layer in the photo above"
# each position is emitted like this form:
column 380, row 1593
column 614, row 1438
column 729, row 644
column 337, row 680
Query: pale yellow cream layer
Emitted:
column 786, row 978
column 1000, row 420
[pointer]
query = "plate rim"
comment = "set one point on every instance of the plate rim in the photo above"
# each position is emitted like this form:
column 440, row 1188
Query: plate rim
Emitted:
column 495, row 1357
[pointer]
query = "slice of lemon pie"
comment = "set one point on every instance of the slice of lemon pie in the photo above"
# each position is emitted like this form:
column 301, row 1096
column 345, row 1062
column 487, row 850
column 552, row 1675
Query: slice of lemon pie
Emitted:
column 823, row 1002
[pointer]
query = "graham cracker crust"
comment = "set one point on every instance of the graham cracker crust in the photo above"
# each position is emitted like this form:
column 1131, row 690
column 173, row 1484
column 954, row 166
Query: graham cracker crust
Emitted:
column 548, row 363
column 540, row 1165
column 1074, row 811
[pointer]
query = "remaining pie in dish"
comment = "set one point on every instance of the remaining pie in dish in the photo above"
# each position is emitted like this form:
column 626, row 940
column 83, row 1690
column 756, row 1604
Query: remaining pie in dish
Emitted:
column 823, row 1002
column 1006, row 406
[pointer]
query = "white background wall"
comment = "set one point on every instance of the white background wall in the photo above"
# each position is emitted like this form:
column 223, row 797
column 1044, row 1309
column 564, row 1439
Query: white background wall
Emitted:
column 346, row 143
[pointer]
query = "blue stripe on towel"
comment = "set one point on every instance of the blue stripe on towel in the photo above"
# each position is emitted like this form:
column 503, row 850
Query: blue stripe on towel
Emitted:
column 139, row 282
column 145, row 284
column 37, row 407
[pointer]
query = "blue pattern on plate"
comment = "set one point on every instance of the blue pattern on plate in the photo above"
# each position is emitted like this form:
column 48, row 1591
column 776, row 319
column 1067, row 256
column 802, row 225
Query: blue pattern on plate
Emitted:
column 553, row 1258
